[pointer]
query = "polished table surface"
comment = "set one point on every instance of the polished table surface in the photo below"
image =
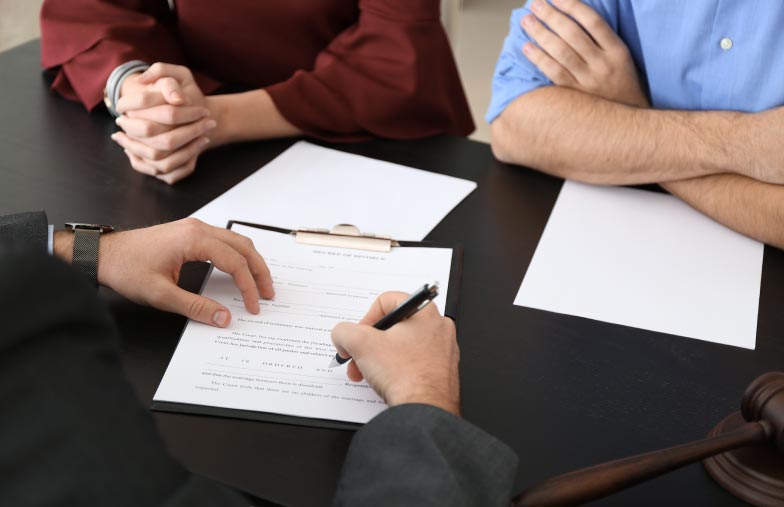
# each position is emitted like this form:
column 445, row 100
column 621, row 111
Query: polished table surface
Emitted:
column 564, row 392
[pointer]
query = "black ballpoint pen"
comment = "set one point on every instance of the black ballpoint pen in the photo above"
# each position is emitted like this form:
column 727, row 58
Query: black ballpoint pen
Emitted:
column 404, row 310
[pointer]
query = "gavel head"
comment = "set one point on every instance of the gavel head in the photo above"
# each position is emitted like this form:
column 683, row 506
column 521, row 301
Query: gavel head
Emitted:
column 764, row 401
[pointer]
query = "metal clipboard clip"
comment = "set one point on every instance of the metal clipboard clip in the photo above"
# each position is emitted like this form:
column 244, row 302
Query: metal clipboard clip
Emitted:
column 345, row 236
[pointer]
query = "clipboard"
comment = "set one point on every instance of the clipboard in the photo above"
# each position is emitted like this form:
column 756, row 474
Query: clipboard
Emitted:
column 340, row 236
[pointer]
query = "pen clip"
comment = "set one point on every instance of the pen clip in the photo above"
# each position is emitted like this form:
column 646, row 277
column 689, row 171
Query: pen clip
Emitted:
column 432, row 291
column 424, row 304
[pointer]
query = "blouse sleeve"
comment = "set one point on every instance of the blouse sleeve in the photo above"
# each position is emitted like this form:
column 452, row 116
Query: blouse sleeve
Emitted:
column 392, row 75
column 84, row 40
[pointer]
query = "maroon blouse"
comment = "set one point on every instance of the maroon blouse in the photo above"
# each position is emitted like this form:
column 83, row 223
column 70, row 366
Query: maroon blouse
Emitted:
column 340, row 70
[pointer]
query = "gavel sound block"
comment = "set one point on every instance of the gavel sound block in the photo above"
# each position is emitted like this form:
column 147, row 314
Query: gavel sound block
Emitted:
column 745, row 455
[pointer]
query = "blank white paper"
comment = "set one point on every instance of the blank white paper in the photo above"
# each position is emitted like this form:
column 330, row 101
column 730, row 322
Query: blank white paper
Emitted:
column 645, row 260
column 277, row 361
column 309, row 186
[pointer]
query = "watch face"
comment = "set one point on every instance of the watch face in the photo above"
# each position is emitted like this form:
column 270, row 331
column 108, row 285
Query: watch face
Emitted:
column 73, row 226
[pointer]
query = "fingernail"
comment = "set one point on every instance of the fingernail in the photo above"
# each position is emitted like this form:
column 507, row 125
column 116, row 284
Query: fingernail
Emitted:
column 528, row 48
column 206, row 112
column 115, row 136
column 212, row 124
column 205, row 141
column 176, row 96
column 536, row 6
column 117, row 121
column 220, row 318
column 528, row 20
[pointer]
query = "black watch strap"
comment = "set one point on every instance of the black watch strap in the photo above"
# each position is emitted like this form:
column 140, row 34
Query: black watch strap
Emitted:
column 85, row 253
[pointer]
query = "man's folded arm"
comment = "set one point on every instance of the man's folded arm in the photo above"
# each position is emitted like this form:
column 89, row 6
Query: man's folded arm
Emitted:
column 745, row 205
column 693, row 155
column 584, row 130
column 420, row 455
column 571, row 134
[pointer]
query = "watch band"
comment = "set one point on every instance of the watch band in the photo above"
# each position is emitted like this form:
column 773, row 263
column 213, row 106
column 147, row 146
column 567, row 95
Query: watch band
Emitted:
column 85, row 253
column 85, row 247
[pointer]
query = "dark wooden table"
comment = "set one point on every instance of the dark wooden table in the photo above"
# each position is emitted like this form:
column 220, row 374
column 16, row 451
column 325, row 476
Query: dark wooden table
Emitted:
column 564, row 392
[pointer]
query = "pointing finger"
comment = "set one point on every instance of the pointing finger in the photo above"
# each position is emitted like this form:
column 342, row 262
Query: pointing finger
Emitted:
column 207, row 311
column 256, row 262
column 232, row 262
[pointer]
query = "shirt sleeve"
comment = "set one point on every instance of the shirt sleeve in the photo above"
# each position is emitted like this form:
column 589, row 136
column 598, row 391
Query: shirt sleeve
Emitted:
column 392, row 75
column 84, row 40
column 514, row 74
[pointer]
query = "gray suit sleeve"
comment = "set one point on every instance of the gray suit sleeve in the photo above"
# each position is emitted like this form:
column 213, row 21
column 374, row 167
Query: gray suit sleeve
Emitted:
column 24, row 231
column 418, row 455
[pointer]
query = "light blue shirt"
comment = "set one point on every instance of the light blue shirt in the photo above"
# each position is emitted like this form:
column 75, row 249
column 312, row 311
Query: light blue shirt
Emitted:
column 691, row 54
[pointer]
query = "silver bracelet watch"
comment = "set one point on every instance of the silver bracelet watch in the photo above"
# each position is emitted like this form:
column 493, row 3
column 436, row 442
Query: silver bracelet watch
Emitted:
column 111, row 93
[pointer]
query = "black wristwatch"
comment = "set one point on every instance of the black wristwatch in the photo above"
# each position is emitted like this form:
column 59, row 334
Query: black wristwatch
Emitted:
column 85, row 247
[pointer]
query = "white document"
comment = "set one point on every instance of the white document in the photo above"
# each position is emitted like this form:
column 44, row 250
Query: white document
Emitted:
column 277, row 361
column 308, row 186
column 645, row 260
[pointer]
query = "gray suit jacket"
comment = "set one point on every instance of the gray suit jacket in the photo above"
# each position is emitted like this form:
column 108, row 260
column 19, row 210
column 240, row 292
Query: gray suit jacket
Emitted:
column 24, row 231
column 419, row 455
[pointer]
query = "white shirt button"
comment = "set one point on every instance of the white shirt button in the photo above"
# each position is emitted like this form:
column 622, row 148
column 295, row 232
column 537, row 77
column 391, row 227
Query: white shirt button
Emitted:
column 726, row 44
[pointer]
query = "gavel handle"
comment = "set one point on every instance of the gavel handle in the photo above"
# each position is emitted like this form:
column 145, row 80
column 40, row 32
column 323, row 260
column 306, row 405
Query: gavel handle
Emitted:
column 576, row 488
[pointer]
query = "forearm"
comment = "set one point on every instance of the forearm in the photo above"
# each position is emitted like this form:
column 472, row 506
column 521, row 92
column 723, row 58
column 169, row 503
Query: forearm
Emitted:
column 574, row 135
column 745, row 205
column 248, row 116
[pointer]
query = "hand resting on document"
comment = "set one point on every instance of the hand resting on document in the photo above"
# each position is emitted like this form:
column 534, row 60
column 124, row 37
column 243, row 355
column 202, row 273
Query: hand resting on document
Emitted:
column 415, row 361
column 144, row 266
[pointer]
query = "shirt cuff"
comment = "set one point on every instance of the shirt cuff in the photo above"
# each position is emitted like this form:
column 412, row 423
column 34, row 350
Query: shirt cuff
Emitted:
column 50, row 241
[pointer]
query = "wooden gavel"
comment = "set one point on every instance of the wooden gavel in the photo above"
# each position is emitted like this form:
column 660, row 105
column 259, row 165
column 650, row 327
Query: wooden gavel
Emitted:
column 756, row 476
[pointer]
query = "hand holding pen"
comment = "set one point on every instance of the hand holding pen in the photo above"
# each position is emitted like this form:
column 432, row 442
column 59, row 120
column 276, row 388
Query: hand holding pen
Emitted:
column 404, row 310
column 414, row 361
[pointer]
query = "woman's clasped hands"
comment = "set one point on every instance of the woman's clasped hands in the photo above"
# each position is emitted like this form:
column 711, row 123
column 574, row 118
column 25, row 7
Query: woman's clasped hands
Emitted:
column 166, row 122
